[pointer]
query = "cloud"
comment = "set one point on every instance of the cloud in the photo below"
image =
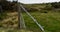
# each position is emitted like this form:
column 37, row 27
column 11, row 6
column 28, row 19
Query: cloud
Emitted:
column 37, row 1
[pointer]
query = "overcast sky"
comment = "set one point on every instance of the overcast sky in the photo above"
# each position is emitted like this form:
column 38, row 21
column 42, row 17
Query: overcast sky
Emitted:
column 36, row 1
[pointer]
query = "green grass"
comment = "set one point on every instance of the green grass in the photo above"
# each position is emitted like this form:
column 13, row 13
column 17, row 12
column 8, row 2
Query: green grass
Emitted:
column 50, row 22
column 14, row 30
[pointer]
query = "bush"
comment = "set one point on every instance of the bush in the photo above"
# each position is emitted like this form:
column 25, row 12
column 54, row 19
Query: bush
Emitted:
column 32, row 9
column 44, row 11
column 47, row 7
column 56, row 5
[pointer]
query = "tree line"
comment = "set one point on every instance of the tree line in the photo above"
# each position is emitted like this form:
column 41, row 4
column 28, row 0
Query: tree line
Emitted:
column 7, row 5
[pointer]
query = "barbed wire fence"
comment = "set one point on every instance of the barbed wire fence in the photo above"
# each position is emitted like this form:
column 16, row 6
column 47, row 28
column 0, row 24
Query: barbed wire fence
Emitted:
column 22, row 23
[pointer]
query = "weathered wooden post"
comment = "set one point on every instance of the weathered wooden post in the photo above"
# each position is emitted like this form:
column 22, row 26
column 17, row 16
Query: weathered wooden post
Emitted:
column 21, row 23
column 18, row 15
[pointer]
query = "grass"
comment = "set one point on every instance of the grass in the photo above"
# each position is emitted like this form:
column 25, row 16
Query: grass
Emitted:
column 14, row 30
column 50, row 22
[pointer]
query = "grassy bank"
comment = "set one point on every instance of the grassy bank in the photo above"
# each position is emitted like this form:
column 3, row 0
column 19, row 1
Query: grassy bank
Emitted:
column 50, row 21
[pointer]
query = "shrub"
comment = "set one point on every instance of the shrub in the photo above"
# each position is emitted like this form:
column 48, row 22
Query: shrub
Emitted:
column 43, row 11
column 56, row 5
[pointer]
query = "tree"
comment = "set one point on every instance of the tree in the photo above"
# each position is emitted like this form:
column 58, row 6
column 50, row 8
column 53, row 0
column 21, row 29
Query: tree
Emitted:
column 6, row 5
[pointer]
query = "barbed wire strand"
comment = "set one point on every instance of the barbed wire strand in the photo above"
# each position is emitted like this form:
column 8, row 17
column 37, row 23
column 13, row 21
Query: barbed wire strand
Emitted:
column 32, row 18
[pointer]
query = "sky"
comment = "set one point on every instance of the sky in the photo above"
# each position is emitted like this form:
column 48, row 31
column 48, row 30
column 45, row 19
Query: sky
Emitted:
column 36, row 1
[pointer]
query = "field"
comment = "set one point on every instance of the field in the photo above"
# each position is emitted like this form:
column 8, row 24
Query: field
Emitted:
column 46, row 14
column 50, row 22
